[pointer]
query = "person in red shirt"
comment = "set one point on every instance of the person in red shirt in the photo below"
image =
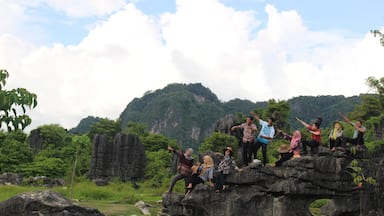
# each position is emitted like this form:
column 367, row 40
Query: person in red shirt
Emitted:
column 315, row 141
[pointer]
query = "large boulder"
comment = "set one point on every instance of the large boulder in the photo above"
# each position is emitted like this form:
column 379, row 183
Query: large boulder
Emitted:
column 11, row 179
column 124, row 158
column 44, row 203
column 285, row 191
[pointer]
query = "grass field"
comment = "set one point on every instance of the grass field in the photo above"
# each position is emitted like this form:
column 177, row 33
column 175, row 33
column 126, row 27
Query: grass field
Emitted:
column 115, row 199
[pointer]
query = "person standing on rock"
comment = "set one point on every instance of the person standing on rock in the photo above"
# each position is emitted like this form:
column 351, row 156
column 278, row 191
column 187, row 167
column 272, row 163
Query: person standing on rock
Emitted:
column 184, row 168
column 265, row 136
column 358, row 134
column 315, row 132
column 249, row 131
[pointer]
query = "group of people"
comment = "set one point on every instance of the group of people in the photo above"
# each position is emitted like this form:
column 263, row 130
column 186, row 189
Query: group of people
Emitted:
column 253, row 140
column 194, row 174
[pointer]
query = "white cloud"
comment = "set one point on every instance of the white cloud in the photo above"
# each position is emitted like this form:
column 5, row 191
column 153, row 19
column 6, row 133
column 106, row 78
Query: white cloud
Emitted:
column 203, row 41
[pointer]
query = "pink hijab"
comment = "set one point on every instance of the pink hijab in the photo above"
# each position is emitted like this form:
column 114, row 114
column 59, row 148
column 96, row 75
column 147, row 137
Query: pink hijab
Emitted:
column 295, row 141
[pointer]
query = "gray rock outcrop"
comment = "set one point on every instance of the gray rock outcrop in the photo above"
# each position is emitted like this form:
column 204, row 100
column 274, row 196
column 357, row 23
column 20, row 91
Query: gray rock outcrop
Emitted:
column 124, row 158
column 36, row 140
column 43, row 203
column 11, row 179
column 286, row 191
column 225, row 124
column 46, row 181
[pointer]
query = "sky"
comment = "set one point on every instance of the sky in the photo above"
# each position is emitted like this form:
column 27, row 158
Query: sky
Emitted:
column 92, row 57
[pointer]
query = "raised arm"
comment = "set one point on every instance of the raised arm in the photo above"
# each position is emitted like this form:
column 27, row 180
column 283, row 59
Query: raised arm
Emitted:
column 302, row 122
column 345, row 118
column 255, row 116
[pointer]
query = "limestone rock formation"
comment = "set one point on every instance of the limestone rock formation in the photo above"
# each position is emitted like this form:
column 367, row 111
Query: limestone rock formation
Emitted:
column 36, row 140
column 46, row 181
column 44, row 203
column 124, row 158
column 286, row 191
column 225, row 124
column 11, row 179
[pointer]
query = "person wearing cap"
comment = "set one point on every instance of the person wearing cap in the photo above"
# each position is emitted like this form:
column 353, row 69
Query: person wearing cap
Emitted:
column 336, row 136
column 226, row 165
column 315, row 132
column 285, row 154
column 184, row 168
column 265, row 136
column 249, row 131
column 358, row 134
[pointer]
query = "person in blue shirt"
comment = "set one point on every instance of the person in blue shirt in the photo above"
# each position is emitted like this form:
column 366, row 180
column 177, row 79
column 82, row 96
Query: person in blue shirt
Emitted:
column 265, row 136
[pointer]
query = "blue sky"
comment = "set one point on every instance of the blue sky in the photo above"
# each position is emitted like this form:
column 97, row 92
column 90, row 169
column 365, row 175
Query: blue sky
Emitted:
column 355, row 17
column 75, row 54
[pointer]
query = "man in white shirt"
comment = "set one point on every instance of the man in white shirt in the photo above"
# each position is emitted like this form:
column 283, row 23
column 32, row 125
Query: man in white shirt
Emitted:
column 266, row 134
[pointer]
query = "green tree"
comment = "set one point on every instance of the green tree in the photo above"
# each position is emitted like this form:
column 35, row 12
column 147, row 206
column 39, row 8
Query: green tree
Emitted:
column 369, row 107
column 14, row 151
column 82, row 146
column 156, row 142
column 54, row 135
column 158, row 167
column 105, row 127
column 44, row 166
column 377, row 85
column 279, row 110
column 136, row 128
column 12, row 102
column 216, row 142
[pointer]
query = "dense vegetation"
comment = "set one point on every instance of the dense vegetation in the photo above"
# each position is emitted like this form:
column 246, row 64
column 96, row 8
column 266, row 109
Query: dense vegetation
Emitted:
column 187, row 113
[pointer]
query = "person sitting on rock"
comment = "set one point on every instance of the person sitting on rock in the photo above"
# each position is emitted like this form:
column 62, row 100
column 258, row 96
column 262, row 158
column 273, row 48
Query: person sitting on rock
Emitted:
column 266, row 134
column 201, row 174
column 249, row 131
column 358, row 134
column 336, row 136
column 226, row 165
column 315, row 141
column 285, row 154
column 294, row 146
column 184, row 168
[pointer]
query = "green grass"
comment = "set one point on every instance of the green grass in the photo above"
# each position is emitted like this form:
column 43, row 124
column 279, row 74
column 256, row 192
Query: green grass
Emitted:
column 117, row 198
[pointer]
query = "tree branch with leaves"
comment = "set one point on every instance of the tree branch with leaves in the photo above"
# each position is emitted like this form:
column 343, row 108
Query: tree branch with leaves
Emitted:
column 13, row 105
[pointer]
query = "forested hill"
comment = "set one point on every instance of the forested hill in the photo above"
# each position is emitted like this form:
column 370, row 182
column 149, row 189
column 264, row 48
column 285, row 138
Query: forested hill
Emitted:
column 184, row 112
column 188, row 112
column 328, row 107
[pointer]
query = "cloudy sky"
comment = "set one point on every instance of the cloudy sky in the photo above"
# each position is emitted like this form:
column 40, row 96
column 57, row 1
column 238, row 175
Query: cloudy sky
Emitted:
column 92, row 57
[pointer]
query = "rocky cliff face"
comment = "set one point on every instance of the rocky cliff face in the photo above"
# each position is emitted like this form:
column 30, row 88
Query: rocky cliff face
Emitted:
column 286, row 191
column 124, row 158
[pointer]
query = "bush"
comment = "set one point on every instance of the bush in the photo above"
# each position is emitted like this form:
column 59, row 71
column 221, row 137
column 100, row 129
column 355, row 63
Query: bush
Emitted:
column 43, row 166
column 319, row 203
column 216, row 142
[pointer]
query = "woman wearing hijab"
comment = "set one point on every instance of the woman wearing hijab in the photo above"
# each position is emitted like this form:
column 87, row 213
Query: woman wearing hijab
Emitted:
column 336, row 136
column 293, row 150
